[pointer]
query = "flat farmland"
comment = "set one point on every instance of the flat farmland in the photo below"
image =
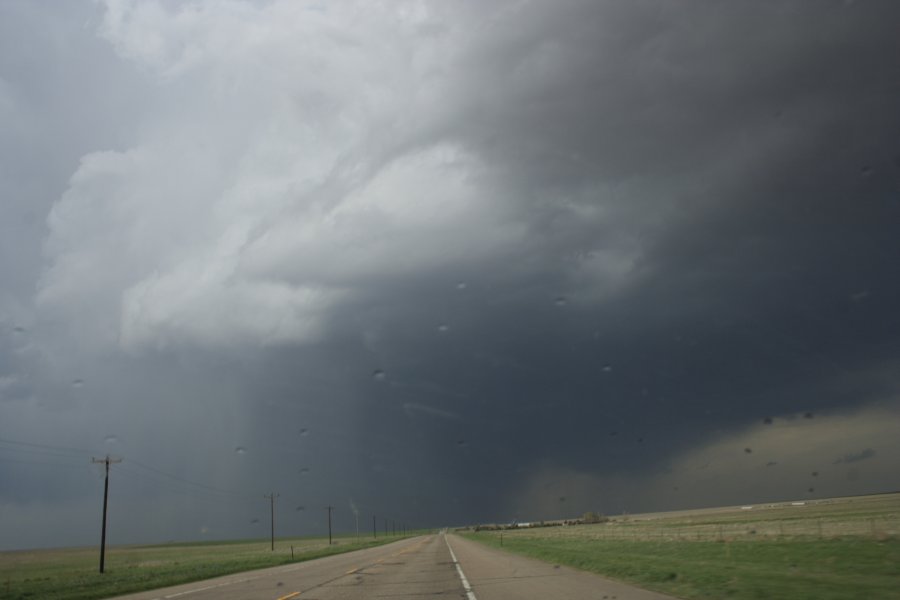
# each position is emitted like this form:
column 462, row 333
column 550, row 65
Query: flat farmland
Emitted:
column 72, row 573
column 835, row 548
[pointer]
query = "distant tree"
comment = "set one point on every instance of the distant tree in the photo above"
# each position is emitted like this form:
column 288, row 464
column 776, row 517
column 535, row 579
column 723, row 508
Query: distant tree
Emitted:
column 592, row 517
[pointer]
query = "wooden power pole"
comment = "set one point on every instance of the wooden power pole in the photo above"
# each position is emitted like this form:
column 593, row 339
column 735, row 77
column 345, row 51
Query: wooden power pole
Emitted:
column 106, row 461
column 271, row 498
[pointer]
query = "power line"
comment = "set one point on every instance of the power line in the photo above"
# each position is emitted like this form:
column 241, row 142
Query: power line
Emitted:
column 144, row 480
column 188, row 481
column 44, row 446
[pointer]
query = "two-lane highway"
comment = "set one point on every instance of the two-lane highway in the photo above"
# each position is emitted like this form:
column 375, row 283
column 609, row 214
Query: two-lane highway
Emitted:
column 421, row 567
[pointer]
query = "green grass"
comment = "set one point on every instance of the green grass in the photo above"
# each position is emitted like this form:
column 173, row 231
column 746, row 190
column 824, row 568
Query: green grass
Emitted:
column 833, row 549
column 72, row 574
column 814, row 569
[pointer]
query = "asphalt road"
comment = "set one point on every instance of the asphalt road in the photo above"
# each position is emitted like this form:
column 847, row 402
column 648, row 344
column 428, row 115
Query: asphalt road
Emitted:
column 422, row 567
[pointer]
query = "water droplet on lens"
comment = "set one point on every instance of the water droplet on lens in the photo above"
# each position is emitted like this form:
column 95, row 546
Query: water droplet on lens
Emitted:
column 811, row 490
column 767, row 421
column 808, row 415
column 18, row 329
column 607, row 368
column 748, row 450
column 378, row 375
column 110, row 439
column 461, row 285
column 815, row 473
column 304, row 470
column 240, row 450
column 561, row 301
column 304, row 431
column 77, row 383
column 460, row 442
column 443, row 328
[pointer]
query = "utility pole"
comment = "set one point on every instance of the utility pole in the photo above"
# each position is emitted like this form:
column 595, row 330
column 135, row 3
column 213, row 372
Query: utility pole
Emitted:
column 385, row 528
column 330, row 508
column 271, row 498
column 374, row 528
column 393, row 527
column 106, row 461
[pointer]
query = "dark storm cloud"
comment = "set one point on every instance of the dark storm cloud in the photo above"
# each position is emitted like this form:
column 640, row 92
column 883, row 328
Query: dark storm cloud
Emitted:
column 856, row 456
column 457, row 263
column 764, row 239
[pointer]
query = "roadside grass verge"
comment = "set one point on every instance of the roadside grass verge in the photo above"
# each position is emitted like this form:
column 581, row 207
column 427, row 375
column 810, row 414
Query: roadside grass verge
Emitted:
column 835, row 569
column 824, row 549
column 72, row 574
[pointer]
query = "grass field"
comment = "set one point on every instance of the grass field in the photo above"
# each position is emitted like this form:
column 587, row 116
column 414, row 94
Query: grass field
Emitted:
column 827, row 549
column 72, row 574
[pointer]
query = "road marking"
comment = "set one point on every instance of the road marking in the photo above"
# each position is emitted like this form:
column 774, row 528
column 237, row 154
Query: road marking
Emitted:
column 291, row 595
column 462, row 576
column 209, row 587
column 350, row 572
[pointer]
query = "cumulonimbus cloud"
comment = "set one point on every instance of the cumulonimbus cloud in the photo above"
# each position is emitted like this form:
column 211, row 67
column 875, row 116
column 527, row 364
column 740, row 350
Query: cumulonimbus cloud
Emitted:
column 305, row 159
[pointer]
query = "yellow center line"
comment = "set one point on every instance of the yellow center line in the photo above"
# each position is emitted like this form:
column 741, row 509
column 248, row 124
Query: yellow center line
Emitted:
column 291, row 595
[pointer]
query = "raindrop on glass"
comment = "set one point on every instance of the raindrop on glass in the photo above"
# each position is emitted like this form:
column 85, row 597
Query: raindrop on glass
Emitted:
column 304, row 470
column 18, row 329
column 561, row 301
column 460, row 442
column 815, row 473
column 304, row 431
column 748, row 450
column 811, row 490
column 240, row 450
column 378, row 375
column 110, row 439
column 808, row 415
column 461, row 285
column 77, row 383
column 443, row 328
column 767, row 421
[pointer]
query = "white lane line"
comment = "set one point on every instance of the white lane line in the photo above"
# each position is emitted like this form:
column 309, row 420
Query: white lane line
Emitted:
column 208, row 587
column 462, row 576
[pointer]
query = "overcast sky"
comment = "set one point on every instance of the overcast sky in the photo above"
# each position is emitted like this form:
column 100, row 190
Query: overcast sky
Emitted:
column 442, row 262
